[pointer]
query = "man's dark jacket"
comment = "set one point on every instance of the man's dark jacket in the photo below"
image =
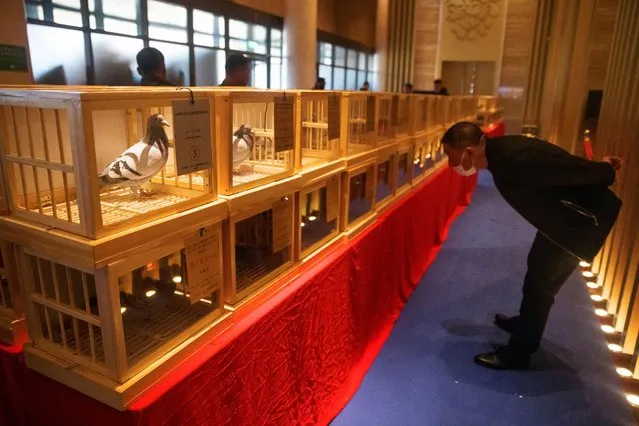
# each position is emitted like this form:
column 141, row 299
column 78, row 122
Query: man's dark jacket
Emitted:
column 565, row 197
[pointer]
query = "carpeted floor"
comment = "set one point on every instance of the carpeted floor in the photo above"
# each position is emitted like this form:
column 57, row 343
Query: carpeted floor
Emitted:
column 424, row 374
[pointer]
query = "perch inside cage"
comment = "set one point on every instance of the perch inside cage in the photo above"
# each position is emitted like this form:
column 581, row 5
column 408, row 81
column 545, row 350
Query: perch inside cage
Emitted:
column 314, row 138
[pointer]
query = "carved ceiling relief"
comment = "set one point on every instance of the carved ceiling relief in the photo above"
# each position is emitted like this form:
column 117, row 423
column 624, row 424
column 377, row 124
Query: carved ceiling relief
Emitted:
column 471, row 19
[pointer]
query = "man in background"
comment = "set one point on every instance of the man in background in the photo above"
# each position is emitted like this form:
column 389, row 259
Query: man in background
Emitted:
column 407, row 88
column 238, row 71
column 438, row 88
column 565, row 197
column 151, row 67
column 320, row 84
column 365, row 87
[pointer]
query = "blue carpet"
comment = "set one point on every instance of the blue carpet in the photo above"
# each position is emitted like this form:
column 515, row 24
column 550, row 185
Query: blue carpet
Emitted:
column 424, row 374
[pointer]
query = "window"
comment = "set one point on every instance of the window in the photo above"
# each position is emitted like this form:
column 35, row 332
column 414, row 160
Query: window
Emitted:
column 343, row 68
column 109, row 33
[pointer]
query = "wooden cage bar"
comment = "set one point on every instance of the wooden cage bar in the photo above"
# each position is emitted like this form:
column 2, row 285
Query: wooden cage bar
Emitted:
column 12, row 323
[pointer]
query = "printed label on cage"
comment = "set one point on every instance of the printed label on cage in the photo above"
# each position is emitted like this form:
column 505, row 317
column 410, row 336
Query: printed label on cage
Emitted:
column 202, row 253
column 284, row 123
column 332, row 199
column 395, row 111
column 192, row 130
column 370, row 113
column 333, row 116
column 282, row 224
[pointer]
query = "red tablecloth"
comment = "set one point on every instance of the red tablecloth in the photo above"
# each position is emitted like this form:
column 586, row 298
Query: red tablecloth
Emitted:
column 299, row 357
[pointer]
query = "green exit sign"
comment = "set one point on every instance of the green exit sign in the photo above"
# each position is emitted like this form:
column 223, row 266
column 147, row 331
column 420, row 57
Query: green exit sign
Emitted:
column 13, row 58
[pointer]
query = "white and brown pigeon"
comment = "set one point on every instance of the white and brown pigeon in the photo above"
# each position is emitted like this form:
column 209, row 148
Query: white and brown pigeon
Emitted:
column 242, row 144
column 138, row 164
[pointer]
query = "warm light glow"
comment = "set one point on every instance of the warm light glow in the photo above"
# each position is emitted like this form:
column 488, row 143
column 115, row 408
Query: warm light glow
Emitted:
column 416, row 161
column 584, row 264
column 624, row 372
column 596, row 298
column 149, row 266
column 608, row 329
column 428, row 156
column 150, row 293
column 178, row 292
column 206, row 301
column 587, row 274
column 177, row 279
column 601, row 312
column 592, row 284
column 633, row 399
column 122, row 309
column 312, row 218
column 302, row 224
column 614, row 347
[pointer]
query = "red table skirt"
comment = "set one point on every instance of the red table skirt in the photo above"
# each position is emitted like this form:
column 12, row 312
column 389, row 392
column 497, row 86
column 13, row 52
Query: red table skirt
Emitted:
column 295, row 360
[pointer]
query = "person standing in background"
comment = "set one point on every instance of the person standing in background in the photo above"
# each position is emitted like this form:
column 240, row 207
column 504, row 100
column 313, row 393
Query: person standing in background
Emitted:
column 438, row 88
column 238, row 71
column 365, row 87
column 320, row 84
column 151, row 67
column 407, row 88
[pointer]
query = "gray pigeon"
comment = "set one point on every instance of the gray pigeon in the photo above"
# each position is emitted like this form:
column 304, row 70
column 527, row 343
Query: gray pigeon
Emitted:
column 138, row 164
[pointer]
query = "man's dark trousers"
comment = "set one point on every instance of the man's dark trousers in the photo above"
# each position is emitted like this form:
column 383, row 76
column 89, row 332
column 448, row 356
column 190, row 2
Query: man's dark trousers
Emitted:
column 549, row 267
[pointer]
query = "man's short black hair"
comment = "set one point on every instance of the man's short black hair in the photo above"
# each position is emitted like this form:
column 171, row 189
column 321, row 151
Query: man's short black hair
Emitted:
column 408, row 85
column 438, row 81
column 463, row 134
column 236, row 61
column 149, row 60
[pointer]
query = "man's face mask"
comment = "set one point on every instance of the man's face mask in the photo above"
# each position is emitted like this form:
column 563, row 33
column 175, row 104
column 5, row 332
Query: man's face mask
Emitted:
column 459, row 169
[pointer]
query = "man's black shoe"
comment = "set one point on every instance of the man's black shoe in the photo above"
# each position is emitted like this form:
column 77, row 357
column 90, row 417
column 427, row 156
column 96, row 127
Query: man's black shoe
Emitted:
column 506, row 323
column 503, row 359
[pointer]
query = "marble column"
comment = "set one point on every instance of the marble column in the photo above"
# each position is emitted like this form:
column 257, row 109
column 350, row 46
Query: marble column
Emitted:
column 300, row 43
column 381, row 45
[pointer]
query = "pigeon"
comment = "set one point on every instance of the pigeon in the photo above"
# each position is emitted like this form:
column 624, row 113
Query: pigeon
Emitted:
column 242, row 144
column 138, row 164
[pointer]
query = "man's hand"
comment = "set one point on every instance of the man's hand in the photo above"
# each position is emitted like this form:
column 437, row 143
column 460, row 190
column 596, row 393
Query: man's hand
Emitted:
column 615, row 162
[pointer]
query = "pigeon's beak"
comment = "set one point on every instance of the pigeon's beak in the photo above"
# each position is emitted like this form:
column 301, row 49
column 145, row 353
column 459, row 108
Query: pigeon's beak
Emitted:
column 165, row 123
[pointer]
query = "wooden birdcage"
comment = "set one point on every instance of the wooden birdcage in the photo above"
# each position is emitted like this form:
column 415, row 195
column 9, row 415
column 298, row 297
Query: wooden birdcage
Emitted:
column 317, row 220
column 255, row 138
column 319, row 148
column 421, row 148
column 358, row 196
column 405, row 157
column 56, row 143
column 418, row 114
column 4, row 207
column 403, row 115
column 109, row 317
column 258, row 238
column 384, row 126
column 433, row 112
column 385, row 176
column 359, row 115
column 12, row 324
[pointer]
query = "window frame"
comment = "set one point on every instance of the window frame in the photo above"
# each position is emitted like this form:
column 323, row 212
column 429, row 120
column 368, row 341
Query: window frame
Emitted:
column 349, row 46
column 227, row 11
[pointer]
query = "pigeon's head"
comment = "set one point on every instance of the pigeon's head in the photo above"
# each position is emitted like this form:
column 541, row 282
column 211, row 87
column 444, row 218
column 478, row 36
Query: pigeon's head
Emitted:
column 242, row 131
column 157, row 121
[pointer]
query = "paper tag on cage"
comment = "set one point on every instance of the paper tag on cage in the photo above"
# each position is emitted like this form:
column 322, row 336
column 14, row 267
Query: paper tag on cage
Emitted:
column 282, row 224
column 203, row 272
column 284, row 122
column 332, row 199
column 333, row 117
column 370, row 113
column 192, row 134
column 395, row 110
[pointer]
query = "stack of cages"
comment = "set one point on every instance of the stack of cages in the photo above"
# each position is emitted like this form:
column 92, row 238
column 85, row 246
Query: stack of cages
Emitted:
column 259, row 239
column 322, row 118
column 418, row 134
column 111, row 227
column 357, row 186
column 402, row 117
column 255, row 134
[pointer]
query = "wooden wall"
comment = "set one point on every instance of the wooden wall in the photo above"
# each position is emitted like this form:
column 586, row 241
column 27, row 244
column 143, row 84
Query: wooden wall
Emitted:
column 518, row 43
column 601, row 42
column 427, row 14
column 13, row 31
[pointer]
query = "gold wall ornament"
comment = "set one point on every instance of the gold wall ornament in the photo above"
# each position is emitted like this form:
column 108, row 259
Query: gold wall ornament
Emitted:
column 471, row 19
